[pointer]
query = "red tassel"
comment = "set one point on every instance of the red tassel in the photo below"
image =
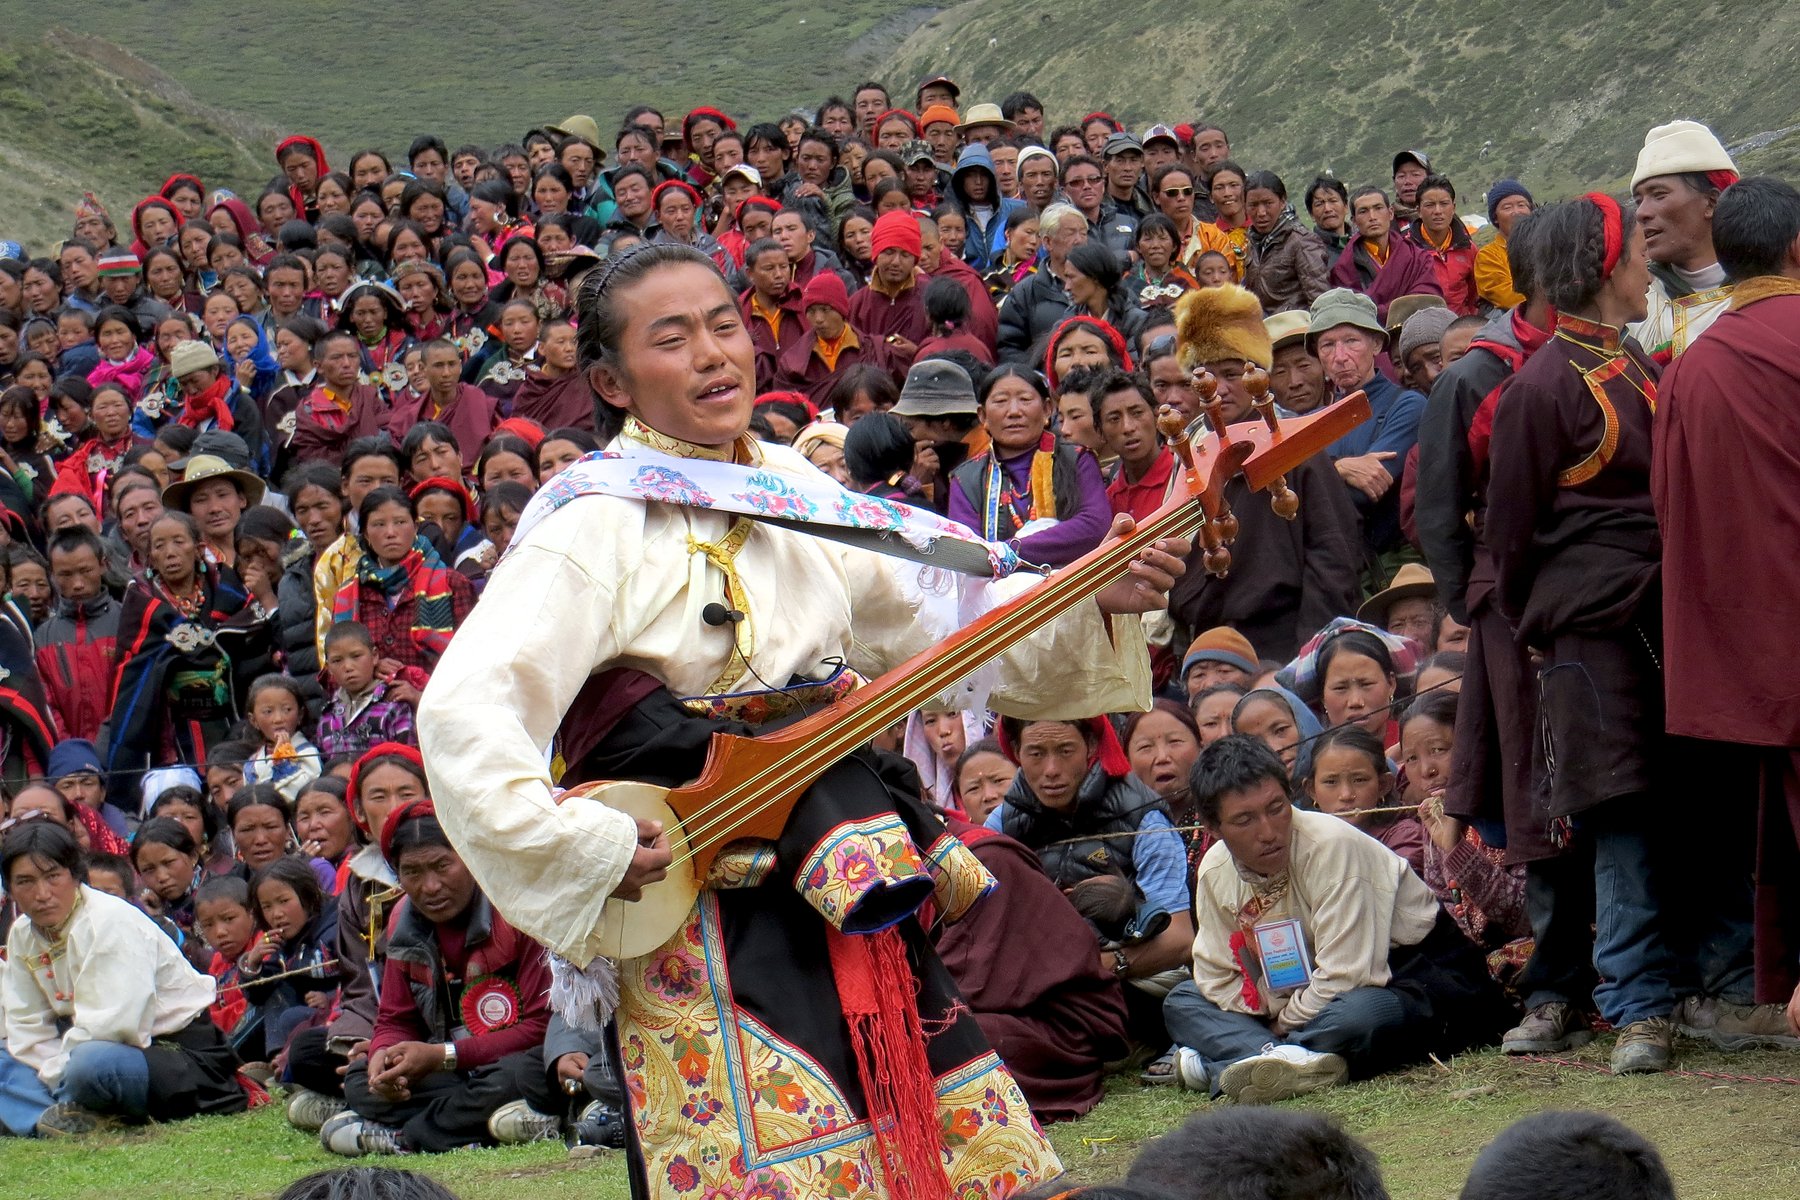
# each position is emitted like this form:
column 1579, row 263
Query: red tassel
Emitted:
column 879, row 996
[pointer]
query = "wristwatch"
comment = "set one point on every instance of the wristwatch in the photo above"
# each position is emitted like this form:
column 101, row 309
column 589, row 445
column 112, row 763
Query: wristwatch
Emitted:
column 1121, row 964
column 449, row 1056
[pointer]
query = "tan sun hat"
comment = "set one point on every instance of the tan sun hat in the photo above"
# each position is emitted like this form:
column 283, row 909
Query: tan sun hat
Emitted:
column 203, row 468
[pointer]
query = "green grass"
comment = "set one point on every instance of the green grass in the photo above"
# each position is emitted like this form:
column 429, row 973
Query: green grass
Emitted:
column 1722, row 1139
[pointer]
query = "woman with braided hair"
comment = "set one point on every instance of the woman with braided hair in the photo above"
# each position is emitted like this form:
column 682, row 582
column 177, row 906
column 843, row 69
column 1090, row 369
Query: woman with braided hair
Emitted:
column 1574, row 537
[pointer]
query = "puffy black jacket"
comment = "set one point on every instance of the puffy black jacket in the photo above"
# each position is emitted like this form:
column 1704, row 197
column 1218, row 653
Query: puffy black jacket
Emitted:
column 1029, row 312
column 296, row 611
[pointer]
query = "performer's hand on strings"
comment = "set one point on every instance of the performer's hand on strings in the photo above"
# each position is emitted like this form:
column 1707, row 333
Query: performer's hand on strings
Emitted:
column 1146, row 587
column 649, row 862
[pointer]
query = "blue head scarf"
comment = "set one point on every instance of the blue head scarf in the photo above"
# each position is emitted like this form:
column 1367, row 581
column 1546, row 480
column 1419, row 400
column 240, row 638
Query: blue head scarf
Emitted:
column 1306, row 723
column 262, row 354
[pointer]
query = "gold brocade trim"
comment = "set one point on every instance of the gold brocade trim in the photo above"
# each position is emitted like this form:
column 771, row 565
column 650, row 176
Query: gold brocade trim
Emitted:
column 723, row 555
column 741, row 450
column 1680, row 308
column 1614, row 362
column 1762, row 287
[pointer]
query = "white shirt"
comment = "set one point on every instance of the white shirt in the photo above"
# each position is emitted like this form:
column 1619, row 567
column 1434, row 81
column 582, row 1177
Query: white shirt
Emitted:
column 605, row 582
column 114, row 975
column 1354, row 898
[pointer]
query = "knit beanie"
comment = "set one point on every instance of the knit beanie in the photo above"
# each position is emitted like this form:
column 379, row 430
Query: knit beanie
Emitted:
column 827, row 289
column 1221, row 644
column 1422, row 329
column 897, row 231
column 118, row 263
column 1503, row 189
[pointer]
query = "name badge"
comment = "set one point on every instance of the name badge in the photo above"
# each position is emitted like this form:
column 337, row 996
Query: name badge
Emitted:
column 1287, row 966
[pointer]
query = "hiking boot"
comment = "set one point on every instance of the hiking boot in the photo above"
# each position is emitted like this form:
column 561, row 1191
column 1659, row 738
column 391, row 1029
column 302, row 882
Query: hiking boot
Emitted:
column 516, row 1122
column 1547, row 1029
column 1190, row 1070
column 1281, row 1073
column 72, row 1120
column 1735, row 1026
column 1643, row 1047
column 600, row 1124
column 352, row 1135
column 308, row 1111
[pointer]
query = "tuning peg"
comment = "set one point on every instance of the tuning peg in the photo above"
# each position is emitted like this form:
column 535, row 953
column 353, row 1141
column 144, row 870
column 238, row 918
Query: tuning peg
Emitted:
column 1283, row 500
column 1256, row 380
column 1227, row 525
column 1217, row 561
column 1205, row 383
column 1172, row 424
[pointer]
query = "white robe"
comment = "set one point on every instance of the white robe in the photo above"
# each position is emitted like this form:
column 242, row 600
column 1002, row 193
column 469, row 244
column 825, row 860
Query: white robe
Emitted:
column 606, row 582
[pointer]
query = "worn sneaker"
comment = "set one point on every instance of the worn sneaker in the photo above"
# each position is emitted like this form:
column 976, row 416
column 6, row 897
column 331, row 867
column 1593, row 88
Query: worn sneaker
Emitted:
column 1547, row 1029
column 516, row 1122
column 72, row 1120
column 308, row 1111
column 1735, row 1026
column 1644, row 1047
column 1281, row 1073
column 1190, row 1070
column 352, row 1135
column 600, row 1124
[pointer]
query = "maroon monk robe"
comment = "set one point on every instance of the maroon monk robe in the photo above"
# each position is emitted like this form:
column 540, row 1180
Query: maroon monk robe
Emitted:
column 984, row 318
column 1029, row 967
column 566, row 402
column 876, row 314
column 470, row 416
column 1727, row 458
column 323, row 431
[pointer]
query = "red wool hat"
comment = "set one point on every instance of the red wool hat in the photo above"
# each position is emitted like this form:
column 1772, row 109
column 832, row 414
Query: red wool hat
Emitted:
column 897, row 231
column 899, row 112
column 523, row 428
column 673, row 185
column 453, row 486
column 827, row 289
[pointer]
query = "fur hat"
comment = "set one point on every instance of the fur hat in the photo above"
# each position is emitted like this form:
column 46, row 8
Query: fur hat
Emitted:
column 1219, row 324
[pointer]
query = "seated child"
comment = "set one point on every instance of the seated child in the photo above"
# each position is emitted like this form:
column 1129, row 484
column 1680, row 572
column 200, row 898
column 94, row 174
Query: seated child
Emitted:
column 1470, row 877
column 288, row 971
column 364, row 709
column 224, row 915
column 1350, row 779
column 283, row 756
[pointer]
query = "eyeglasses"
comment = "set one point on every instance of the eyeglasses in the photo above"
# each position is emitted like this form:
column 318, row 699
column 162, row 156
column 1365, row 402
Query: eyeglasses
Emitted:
column 1172, row 193
column 1086, row 181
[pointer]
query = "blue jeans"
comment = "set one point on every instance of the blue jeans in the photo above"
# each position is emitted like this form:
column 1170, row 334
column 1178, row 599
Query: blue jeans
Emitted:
column 1366, row 1027
column 104, row 1077
column 1637, row 967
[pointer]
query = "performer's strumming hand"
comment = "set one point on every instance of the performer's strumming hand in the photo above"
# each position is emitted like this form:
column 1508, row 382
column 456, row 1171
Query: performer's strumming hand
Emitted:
column 649, row 862
column 1146, row 588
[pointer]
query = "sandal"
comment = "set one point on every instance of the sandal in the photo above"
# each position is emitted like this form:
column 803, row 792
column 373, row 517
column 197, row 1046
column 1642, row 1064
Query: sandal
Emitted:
column 1161, row 1072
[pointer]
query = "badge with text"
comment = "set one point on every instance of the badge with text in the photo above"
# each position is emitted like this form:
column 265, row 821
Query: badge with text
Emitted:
column 1282, row 947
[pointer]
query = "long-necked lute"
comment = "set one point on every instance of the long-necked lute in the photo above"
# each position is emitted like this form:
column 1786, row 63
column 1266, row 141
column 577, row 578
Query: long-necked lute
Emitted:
column 749, row 785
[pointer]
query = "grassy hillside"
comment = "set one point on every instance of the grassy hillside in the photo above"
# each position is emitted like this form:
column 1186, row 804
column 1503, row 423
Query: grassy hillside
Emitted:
column 77, row 116
column 360, row 74
column 1558, row 91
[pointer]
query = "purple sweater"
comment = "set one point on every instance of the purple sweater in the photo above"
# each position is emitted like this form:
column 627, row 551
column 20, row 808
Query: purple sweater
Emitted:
column 1073, row 535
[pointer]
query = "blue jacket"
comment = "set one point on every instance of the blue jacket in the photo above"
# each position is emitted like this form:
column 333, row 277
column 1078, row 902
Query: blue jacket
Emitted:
column 1393, row 426
column 986, row 242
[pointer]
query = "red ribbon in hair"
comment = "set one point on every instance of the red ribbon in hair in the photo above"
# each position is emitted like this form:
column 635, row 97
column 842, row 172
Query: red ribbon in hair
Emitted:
column 1612, row 224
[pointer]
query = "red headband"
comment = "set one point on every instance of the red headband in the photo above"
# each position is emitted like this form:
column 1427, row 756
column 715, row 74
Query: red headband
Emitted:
column 453, row 486
column 666, row 186
column 710, row 114
column 1612, row 224
column 379, row 750
column 406, row 812
column 1101, row 329
column 911, row 121
column 774, row 206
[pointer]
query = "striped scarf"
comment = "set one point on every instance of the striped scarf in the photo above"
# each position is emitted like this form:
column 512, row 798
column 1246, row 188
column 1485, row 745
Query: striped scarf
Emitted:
column 428, row 583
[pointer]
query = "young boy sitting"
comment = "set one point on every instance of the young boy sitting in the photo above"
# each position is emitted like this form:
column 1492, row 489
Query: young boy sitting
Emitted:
column 365, row 709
